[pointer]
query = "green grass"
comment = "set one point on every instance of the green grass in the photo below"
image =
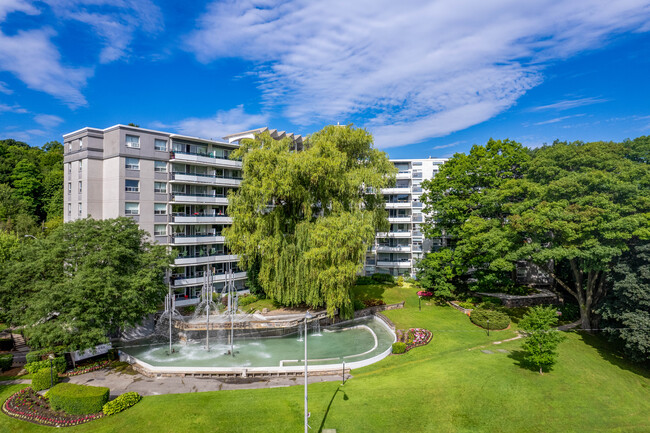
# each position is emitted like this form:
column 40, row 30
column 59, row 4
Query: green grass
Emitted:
column 446, row 386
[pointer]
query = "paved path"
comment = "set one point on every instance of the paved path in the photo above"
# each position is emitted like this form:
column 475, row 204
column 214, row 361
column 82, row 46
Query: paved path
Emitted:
column 120, row 383
column 15, row 382
column 569, row 326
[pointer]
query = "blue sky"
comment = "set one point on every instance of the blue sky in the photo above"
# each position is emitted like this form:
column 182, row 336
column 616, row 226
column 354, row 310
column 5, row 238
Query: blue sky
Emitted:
column 427, row 78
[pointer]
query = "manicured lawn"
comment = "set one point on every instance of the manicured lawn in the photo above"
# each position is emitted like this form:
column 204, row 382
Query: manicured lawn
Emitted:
column 447, row 386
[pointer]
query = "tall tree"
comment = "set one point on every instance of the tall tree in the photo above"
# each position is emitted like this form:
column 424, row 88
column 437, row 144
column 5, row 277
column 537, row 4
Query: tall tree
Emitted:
column 83, row 281
column 461, row 207
column 541, row 338
column 306, row 218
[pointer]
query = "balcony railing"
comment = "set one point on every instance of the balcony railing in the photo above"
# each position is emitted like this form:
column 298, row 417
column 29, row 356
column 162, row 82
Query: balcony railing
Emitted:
column 211, row 176
column 173, row 153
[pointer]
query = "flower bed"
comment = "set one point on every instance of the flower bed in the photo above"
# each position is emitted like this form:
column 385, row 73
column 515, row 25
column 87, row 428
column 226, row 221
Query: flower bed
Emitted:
column 414, row 337
column 87, row 368
column 28, row 405
column 425, row 294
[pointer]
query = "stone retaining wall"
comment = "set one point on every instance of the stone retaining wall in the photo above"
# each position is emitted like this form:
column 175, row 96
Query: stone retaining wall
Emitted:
column 542, row 297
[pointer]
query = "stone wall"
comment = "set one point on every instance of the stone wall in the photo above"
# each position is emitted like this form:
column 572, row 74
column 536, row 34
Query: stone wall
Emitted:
column 542, row 297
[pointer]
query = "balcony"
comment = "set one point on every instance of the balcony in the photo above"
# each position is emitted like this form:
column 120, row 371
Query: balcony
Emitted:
column 400, row 219
column 204, row 159
column 398, row 205
column 200, row 260
column 200, row 219
column 181, row 280
column 181, row 239
column 417, row 234
column 403, row 175
column 204, row 179
column 177, row 197
column 405, row 234
column 394, row 249
column 396, row 190
column 395, row 264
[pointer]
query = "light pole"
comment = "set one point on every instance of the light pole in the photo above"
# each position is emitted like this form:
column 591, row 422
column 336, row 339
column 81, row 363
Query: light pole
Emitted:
column 307, row 317
column 488, row 323
column 51, row 357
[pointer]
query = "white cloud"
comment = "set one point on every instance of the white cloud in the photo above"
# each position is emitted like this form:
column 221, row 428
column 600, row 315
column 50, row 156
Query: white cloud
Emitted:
column 221, row 124
column 4, row 89
column 558, row 119
column 9, row 6
column 35, row 60
column 570, row 103
column 12, row 109
column 48, row 120
column 114, row 21
column 444, row 146
column 413, row 70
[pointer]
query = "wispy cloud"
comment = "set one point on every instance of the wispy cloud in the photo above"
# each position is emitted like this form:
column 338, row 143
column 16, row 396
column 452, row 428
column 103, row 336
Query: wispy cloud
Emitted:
column 12, row 109
column 412, row 71
column 9, row 6
column 48, row 120
column 444, row 146
column 557, row 119
column 570, row 103
column 221, row 124
column 5, row 89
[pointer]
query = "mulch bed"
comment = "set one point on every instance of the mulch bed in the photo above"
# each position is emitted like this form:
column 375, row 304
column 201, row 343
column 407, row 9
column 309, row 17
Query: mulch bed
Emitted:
column 28, row 405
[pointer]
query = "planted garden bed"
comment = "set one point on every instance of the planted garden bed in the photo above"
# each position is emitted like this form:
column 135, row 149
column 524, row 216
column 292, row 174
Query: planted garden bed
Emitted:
column 407, row 340
column 27, row 405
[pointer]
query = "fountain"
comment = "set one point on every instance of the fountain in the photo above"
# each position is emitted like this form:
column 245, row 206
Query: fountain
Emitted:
column 316, row 328
column 167, row 318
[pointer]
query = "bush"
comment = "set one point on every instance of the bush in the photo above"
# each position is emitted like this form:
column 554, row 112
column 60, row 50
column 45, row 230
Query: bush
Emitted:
column 399, row 347
column 570, row 312
column 498, row 320
column 365, row 281
column 247, row 300
column 5, row 361
column 489, row 302
column 59, row 364
column 78, row 399
column 383, row 278
column 6, row 344
column 466, row 305
column 121, row 403
column 34, row 356
column 42, row 379
column 400, row 281
column 373, row 302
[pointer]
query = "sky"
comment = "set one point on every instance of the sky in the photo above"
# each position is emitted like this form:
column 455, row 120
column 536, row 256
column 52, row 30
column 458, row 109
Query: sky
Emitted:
column 426, row 78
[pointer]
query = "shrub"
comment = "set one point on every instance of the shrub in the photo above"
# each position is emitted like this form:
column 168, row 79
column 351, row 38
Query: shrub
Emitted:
column 383, row 278
column 489, row 302
column 399, row 347
column 59, row 364
column 466, row 305
column 247, row 300
column 498, row 320
column 373, row 302
column 121, row 403
column 78, row 399
column 5, row 361
column 365, row 281
column 358, row 304
column 34, row 356
column 400, row 281
column 6, row 344
column 42, row 379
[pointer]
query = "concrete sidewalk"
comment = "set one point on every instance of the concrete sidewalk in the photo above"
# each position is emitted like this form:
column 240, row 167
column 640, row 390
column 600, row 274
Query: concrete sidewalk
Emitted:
column 120, row 383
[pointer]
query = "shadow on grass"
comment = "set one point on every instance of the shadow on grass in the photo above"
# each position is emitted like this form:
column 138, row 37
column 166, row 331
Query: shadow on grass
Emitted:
column 519, row 356
column 369, row 291
column 329, row 405
column 613, row 353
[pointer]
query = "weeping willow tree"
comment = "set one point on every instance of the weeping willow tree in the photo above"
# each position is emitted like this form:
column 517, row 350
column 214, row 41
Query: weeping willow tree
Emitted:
column 302, row 221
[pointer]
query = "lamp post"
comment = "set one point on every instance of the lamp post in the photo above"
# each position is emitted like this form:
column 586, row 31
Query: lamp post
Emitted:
column 51, row 357
column 307, row 317
column 488, row 323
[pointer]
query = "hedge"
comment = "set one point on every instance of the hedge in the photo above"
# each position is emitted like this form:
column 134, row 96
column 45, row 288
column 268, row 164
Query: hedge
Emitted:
column 383, row 278
column 5, row 361
column 121, row 403
column 78, row 399
column 399, row 347
column 59, row 364
column 498, row 320
column 247, row 300
column 42, row 379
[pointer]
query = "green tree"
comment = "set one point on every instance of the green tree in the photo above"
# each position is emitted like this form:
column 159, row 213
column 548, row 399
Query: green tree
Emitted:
column 27, row 185
column 626, row 310
column 462, row 208
column 308, row 217
column 84, row 281
column 542, row 339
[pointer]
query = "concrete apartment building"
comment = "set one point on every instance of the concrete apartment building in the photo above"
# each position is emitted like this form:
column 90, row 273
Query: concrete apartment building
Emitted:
column 176, row 188
column 396, row 252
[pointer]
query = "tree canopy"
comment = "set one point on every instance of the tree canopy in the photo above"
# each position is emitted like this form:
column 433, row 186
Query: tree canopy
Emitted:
column 83, row 281
column 303, row 220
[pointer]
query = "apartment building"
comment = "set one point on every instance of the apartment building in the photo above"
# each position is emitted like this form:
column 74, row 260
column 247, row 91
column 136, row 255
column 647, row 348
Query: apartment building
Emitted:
column 396, row 251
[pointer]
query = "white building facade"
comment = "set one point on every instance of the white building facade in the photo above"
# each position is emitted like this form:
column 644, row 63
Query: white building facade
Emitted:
column 397, row 251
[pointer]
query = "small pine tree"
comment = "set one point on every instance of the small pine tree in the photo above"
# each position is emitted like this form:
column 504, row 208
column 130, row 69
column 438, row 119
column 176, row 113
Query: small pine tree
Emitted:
column 542, row 338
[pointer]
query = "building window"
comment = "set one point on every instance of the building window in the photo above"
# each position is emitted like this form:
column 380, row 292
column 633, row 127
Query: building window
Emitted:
column 159, row 230
column 70, row 146
column 80, row 187
column 160, row 209
column 133, row 141
column 69, row 209
column 160, row 187
column 69, row 187
column 69, row 168
column 160, row 145
column 80, row 208
column 131, row 208
column 81, row 165
column 160, row 166
column 132, row 185
column 133, row 163
column 81, row 144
